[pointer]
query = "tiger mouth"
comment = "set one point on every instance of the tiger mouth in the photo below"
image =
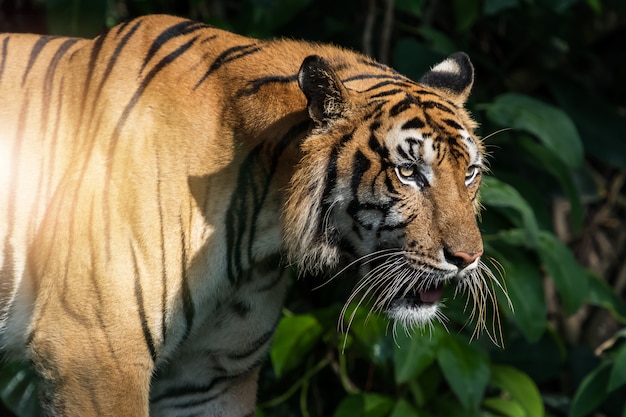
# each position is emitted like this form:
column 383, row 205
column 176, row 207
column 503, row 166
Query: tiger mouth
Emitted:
column 416, row 307
column 424, row 297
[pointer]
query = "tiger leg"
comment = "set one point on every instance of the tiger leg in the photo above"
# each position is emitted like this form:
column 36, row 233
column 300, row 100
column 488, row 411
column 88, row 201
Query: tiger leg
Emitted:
column 238, row 399
column 174, row 393
column 88, row 373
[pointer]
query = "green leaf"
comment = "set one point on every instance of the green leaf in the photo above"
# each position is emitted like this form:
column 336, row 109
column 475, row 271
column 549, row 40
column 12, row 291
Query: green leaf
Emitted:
column 18, row 389
column 495, row 193
column 560, row 6
column 520, row 388
column 552, row 164
column 592, row 391
column 596, row 6
column 82, row 18
column 505, row 407
column 413, row 7
column 466, row 368
column 369, row 332
column 603, row 295
column 413, row 354
column 404, row 409
column 569, row 277
column 524, row 284
column 466, row 12
column 618, row 373
column 551, row 125
column 492, row 7
column 600, row 124
column 294, row 337
column 437, row 41
column 413, row 58
column 364, row 405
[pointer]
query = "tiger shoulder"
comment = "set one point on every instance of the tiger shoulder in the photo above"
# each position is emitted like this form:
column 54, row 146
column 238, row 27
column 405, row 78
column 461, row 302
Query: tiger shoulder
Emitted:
column 156, row 182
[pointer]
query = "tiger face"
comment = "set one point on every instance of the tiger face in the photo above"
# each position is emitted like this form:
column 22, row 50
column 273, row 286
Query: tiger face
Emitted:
column 401, row 171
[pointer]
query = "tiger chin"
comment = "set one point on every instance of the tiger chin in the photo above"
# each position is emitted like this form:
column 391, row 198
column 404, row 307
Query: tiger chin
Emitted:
column 155, row 181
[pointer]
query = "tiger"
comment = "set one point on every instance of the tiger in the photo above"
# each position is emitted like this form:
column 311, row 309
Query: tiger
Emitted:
column 159, row 182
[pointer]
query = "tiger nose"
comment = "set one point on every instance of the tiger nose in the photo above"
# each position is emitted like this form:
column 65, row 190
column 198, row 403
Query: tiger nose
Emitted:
column 462, row 259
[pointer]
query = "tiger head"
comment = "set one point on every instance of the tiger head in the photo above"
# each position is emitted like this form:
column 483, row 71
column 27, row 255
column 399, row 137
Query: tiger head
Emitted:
column 389, row 177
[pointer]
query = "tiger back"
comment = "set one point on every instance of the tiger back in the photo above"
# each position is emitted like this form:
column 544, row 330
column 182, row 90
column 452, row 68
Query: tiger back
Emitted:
column 155, row 180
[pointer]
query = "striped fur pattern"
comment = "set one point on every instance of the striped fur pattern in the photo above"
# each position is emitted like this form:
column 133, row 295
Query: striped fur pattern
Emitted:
column 155, row 180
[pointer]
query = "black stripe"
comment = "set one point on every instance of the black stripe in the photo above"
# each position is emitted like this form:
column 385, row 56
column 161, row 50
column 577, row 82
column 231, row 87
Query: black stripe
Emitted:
column 229, row 55
column 359, row 77
column 5, row 51
column 360, row 166
column 331, row 179
column 238, row 217
column 208, row 38
column 147, row 334
column 391, row 189
column 395, row 83
column 188, row 306
column 95, row 51
column 44, row 172
column 292, row 134
column 453, row 124
column 164, row 280
column 255, row 85
column 34, row 53
column 93, row 238
column 133, row 101
column 414, row 123
column 123, row 25
column 195, row 390
column 49, row 79
column 171, row 57
column 113, row 60
column 44, row 115
column 376, row 146
column 253, row 185
column 255, row 346
column 53, row 145
column 375, row 64
column 402, row 153
column 437, row 105
column 179, row 29
column 401, row 106
column 388, row 93
column 376, row 112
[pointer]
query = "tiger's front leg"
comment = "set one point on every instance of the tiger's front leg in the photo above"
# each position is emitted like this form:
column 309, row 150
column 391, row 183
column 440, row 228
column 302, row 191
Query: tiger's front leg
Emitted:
column 87, row 369
column 229, row 396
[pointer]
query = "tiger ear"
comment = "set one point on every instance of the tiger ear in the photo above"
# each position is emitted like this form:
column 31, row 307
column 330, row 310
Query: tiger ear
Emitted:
column 454, row 76
column 326, row 95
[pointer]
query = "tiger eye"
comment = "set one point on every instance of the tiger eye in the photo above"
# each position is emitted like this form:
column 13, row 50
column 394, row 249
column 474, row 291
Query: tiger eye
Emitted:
column 407, row 171
column 471, row 174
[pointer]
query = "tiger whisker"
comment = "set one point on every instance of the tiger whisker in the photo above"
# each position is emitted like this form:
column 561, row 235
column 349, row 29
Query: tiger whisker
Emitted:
column 362, row 260
column 504, row 129
column 371, row 280
column 375, row 279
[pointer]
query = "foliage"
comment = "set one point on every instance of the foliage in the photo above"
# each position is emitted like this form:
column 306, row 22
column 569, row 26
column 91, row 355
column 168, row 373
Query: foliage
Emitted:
column 548, row 91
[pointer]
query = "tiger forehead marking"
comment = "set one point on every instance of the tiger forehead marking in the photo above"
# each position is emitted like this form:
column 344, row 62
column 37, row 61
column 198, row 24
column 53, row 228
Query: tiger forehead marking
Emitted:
column 155, row 181
column 419, row 145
